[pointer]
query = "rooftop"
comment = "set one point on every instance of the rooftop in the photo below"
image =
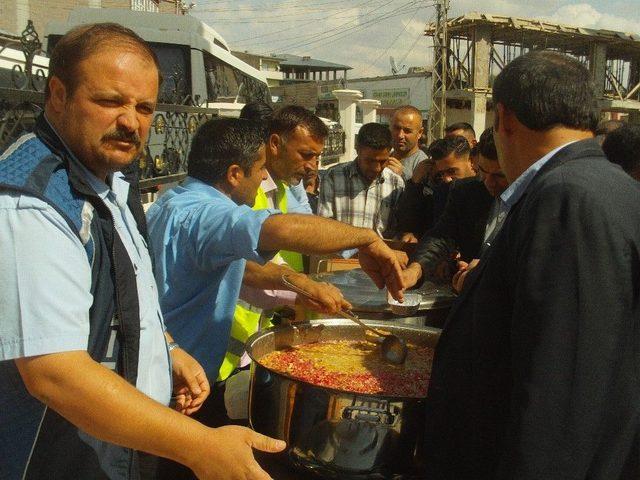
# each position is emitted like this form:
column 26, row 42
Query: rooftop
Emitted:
column 425, row 73
column 515, row 30
column 308, row 62
column 257, row 55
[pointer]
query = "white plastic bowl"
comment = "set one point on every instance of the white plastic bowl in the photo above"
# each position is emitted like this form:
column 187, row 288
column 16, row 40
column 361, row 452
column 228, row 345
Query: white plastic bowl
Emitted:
column 410, row 305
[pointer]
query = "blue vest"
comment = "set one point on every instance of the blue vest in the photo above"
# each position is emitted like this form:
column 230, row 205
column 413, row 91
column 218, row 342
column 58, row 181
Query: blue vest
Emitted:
column 38, row 165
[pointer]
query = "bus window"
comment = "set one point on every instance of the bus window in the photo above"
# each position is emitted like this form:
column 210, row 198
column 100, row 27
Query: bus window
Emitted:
column 175, row 66
column 227, row 84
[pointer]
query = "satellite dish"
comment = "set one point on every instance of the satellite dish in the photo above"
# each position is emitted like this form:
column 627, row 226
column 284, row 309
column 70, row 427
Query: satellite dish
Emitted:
column 394, row 67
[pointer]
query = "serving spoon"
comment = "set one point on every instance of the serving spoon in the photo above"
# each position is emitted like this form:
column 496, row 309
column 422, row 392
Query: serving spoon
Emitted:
column 394, row 349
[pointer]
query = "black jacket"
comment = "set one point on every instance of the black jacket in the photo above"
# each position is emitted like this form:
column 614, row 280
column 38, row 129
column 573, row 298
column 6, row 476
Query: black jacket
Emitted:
column 415, row 210
column 460, row 228
column 537, row 371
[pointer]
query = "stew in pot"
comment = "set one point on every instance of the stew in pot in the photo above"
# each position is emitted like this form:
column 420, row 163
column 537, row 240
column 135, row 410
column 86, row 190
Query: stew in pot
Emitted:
column 354, row 366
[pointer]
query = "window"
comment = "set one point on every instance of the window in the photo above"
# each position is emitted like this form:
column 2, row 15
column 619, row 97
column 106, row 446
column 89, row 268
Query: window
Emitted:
column 228, row 84
column 175, row 66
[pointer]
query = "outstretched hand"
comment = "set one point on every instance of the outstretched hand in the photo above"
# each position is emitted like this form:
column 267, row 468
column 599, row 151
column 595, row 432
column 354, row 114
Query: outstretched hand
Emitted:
column 326, row 297
column 412, row 275
column 384, row 267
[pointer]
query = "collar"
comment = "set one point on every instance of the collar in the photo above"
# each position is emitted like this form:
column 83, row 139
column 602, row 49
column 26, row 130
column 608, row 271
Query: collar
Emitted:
column 352, row 170
column 119, row 186
column 195, row 185
column 515, row 191
column 47, row 134
column 268, row 184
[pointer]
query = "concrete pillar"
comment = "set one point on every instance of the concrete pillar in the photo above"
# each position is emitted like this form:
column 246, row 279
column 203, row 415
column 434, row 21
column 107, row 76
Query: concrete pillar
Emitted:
column 598, row 66
column 481, row 63
column 347, row 110
column 479, row 113
column 369, row 106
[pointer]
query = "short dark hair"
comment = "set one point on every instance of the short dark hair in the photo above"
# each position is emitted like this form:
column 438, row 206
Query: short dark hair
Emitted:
column 622, row 146
column 257, row 111
column 288, row 118
column 81, row 42
column 220, row 143
column 544, row 88
column 464, row 126
column 605, row 127
column 375, row 136
column 444, row 147
column 487, row 145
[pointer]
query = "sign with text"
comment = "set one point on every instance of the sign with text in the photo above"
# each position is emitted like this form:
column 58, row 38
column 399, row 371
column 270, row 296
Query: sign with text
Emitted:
column 392, row 97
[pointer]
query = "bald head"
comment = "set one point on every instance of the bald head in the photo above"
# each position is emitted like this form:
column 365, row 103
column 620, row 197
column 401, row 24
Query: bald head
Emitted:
column 406, row 130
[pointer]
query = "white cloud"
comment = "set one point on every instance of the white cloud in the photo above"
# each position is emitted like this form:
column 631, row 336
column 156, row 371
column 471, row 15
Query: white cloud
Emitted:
column 585, row 15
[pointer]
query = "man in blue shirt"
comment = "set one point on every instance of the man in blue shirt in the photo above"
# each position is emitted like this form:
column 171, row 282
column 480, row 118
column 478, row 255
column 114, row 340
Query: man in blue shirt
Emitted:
column 85, row 370
column 204, row 230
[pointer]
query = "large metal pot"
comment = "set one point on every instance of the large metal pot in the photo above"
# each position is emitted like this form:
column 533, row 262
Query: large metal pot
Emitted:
column 333, row 433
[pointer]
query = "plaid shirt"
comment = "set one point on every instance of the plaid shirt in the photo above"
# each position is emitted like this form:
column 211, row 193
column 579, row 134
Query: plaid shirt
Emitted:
column 345, row 196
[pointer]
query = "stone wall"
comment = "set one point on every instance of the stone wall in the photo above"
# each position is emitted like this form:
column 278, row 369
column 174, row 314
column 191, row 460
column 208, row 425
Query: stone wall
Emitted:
column 304, row 94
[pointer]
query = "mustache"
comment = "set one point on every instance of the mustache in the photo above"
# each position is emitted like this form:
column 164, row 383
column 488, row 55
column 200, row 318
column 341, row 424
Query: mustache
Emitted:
column 123, row 136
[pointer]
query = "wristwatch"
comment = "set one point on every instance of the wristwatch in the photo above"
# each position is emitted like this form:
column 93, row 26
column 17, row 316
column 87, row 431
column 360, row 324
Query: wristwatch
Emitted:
column 173, row 345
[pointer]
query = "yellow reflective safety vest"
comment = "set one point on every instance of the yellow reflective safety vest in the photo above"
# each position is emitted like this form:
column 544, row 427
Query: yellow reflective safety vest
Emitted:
column 246, row 318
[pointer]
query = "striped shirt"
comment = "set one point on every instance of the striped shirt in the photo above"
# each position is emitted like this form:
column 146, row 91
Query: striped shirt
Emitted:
column 346, row 196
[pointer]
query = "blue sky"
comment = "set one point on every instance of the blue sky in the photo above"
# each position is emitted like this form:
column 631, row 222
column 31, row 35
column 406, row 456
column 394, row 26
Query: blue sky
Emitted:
column 365, row 33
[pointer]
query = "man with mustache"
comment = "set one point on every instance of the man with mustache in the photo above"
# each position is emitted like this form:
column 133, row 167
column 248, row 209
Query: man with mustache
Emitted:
column 86, row 369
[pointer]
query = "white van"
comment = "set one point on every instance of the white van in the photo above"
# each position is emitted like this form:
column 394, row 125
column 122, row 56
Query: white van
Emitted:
column 195, row 60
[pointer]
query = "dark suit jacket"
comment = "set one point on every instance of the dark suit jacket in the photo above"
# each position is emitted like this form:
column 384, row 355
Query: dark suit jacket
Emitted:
column 415, row 208
column 537, row 371
column 460, row 228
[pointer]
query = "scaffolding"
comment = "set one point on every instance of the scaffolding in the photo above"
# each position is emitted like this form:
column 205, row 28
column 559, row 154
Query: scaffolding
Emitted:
column 479, row 45
column 438, row 111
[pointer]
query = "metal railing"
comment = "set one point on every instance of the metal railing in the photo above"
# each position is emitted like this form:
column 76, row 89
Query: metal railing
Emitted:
column 164, row 157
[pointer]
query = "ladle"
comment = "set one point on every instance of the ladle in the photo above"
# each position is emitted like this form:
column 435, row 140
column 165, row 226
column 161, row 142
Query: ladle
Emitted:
column 394, row 349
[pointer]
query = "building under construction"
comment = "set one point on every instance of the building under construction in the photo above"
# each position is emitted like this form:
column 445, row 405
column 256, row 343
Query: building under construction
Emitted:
column 475, row 48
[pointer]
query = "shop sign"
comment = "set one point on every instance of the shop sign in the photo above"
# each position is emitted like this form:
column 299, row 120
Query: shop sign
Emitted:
column 325, row 91
column 392, row 97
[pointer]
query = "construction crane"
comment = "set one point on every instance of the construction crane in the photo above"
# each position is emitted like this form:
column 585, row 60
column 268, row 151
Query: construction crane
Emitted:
column 438, row 111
